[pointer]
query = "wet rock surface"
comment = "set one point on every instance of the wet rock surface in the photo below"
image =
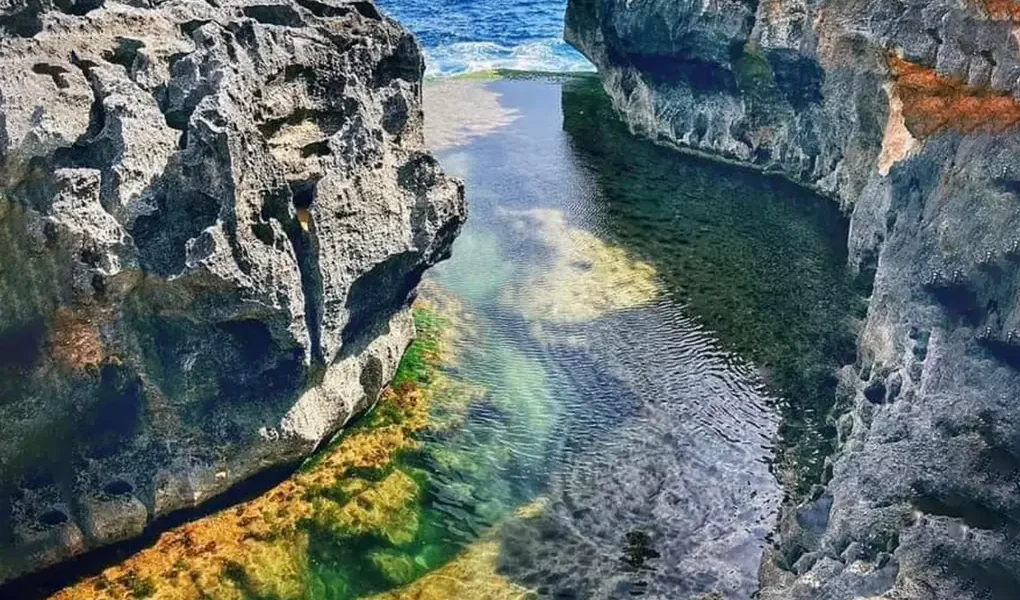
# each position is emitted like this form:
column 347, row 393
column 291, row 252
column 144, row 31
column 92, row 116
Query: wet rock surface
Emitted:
column 905, row 113
column 212, row 218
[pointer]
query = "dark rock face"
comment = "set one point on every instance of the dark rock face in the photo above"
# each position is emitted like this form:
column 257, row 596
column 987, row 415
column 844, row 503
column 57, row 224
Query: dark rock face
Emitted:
column 212, row 219
column 906, row 113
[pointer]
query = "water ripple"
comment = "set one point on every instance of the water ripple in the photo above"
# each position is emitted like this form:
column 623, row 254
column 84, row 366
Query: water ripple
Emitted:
column 649, row 439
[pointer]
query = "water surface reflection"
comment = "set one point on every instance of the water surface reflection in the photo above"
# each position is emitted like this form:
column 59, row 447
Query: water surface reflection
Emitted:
column 656, row 479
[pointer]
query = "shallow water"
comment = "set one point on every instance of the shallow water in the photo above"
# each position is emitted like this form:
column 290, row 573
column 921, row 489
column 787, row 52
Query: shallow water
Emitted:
column 598, row 260
column 759, row 261
column 586, row 413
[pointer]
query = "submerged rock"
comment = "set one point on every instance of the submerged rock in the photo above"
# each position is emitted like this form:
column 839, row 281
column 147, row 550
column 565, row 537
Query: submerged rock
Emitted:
column 907, row 114
column 581, row 277
column 212, row 218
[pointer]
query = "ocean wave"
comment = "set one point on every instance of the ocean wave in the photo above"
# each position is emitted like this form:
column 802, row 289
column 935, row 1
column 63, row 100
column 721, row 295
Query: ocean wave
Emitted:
column 544, row 55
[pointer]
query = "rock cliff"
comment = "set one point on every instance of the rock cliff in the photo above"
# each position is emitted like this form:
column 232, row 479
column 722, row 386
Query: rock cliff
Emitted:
column 213, row 214
column 906, row 113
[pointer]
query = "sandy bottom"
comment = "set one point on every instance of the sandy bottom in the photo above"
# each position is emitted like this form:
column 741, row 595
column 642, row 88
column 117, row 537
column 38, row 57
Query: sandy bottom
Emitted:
column 459, row 111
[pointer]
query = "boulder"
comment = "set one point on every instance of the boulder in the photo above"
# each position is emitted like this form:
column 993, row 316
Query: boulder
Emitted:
column 213, row 217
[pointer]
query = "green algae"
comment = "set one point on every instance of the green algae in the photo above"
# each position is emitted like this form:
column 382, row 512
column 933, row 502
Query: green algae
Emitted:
column 397, row 567
column 755, row 78
column 377, row 529
column 399, row 531
column 360, row 518
column 417, row 365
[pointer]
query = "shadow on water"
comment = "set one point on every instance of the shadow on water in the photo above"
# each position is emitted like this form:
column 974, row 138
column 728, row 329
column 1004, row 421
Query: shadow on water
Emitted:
column 758, row 260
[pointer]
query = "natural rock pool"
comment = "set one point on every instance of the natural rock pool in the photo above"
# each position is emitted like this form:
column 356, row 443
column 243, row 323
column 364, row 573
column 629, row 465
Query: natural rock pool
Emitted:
column 654, row 295
column 624, row 366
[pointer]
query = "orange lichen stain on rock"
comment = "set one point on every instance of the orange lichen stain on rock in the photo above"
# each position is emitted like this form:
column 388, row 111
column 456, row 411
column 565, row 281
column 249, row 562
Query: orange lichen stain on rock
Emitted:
column 75, row 340
column 933, row 103
column 260, row 548
column 1000, row 10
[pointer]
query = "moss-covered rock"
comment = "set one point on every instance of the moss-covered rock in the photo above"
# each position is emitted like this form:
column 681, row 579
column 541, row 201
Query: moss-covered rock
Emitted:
column 397, row 567
column 354, row 491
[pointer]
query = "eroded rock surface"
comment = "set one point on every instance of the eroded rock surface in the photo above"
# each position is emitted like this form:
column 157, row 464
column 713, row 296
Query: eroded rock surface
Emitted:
column 212, row 217
column 907, row 114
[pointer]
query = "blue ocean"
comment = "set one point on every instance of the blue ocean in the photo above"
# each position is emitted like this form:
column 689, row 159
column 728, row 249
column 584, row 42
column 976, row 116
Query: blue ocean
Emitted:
column 466, row 36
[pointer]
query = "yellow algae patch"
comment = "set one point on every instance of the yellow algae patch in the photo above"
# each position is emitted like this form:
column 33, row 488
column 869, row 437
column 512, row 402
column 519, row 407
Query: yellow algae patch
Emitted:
column 457, row 324
column 260, row 548
column 275, row 571
column 459, row 111
column 473, row 573
column 388, row 510
column 372, row 447
column 397, row 567
column 897, row 142
column 450, row 401
column 533, row 509
column 254, row 547
column 582, row 277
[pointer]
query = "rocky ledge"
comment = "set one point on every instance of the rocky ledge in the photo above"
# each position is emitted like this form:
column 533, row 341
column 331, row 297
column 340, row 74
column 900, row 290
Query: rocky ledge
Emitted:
column 212, row 217
column 907, row 114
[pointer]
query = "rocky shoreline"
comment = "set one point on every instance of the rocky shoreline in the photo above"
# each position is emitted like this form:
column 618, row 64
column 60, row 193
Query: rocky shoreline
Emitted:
column 213, row 217
column 906, row 115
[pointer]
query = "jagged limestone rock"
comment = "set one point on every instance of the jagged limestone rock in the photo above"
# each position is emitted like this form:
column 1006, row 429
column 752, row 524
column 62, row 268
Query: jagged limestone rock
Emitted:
column 212, row 218
column 907, row 114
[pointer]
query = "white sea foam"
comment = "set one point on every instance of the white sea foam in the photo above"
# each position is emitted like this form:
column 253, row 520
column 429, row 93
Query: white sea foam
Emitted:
column 546, row 55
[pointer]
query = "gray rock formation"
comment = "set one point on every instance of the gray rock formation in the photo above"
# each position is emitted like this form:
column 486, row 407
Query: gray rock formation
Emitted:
column 212, row 217
column 907, row 114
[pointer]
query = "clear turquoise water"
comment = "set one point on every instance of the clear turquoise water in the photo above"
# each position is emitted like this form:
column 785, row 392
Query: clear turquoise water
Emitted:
column 651, row 429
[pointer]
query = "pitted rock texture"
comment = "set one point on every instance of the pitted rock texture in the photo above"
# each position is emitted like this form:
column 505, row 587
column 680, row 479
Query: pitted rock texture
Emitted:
column 213, row 216
column 907, row 114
